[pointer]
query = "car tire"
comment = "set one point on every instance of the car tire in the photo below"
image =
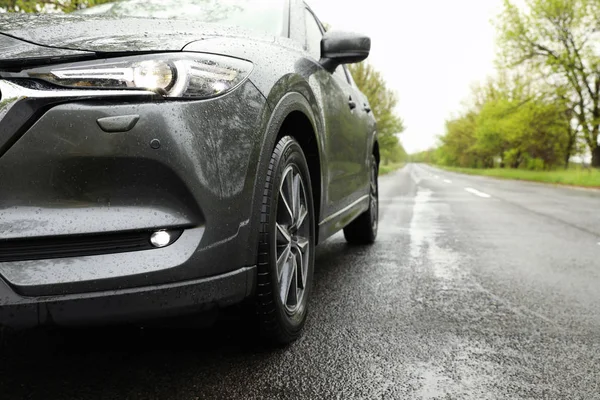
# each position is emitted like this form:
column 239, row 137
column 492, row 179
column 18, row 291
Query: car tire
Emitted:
column 286, row 245
column 363, row 230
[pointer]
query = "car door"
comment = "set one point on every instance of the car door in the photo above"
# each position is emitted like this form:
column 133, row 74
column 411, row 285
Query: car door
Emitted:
column 344, row 142
column 368, row 127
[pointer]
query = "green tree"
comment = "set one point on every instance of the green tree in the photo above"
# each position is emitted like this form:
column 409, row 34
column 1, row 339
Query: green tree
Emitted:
column 559, row 38
column 512, row 121
column 531, row 132
column 383, row 101
column 458, row 144
column 48, row 5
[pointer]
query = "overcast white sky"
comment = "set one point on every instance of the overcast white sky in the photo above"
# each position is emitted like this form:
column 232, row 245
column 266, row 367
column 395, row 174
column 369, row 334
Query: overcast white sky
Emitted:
column 429, row 51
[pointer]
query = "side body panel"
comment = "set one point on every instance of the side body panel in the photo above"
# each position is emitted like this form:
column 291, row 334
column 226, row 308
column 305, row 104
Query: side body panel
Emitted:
column 284, row 67
column 212, row 160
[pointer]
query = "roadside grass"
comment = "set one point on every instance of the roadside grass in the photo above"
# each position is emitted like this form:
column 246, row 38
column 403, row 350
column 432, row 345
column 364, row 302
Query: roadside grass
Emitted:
column 575, row 176
column 386, row 169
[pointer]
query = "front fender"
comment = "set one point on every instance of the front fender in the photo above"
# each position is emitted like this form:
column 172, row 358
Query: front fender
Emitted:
column 287, row 104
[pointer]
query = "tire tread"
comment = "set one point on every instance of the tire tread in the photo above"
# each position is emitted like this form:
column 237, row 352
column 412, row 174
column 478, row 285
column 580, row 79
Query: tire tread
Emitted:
column 266, row 308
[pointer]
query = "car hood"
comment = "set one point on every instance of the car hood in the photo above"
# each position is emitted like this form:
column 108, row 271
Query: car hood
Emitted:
column 25, row 36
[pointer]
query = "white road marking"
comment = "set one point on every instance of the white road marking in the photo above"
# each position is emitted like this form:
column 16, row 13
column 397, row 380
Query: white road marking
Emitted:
column 447, row 181
column 478, row 193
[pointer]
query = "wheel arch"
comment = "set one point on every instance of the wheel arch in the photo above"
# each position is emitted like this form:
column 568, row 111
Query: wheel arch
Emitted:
column 292, row 115
column 299, row 126
column 375, row 151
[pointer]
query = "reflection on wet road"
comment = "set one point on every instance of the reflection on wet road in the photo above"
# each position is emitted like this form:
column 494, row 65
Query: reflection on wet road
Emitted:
column 468, row 294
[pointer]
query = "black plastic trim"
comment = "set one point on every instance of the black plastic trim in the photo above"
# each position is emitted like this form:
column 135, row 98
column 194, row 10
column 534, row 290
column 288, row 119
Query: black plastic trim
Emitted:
column 20, row 118
column 126, row 305
column 77, row 246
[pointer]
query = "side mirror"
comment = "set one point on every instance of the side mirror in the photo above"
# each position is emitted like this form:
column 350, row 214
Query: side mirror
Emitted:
column 343, row 48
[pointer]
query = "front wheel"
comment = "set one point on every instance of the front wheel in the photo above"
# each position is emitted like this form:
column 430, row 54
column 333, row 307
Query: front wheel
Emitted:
column 287, row 244
column 363, row 230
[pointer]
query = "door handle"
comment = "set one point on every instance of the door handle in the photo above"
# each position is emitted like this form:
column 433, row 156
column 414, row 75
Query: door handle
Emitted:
column 351, row 103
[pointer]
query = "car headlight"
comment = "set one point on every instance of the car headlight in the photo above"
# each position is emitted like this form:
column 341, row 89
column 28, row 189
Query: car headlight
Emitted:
column 173, row 75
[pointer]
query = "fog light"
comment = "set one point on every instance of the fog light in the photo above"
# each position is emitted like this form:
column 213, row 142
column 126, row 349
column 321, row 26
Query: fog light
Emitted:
column 160, row 239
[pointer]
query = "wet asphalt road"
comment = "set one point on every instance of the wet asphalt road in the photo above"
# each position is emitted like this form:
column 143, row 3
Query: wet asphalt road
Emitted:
column 476, row 289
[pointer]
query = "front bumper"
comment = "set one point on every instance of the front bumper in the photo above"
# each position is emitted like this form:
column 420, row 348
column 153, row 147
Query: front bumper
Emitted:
column 63, row 175
column 127, row 305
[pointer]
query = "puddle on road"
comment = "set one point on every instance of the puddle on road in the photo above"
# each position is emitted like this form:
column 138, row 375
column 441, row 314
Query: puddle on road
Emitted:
column 457, row 370
column 465, row 377
column 422, row 218
column 424, row 229
column 433, row 384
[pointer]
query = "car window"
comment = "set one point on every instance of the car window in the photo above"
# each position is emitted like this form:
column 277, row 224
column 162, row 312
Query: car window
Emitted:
column 313, row 43
column 313, row 35
column 340, row 74
column 265, row 15
column 347, row 75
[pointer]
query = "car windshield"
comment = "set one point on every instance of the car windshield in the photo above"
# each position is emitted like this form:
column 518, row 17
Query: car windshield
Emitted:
column 264, row 15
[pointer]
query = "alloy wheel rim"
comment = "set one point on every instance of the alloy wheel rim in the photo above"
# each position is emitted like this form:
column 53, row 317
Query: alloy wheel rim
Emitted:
column 293, row 239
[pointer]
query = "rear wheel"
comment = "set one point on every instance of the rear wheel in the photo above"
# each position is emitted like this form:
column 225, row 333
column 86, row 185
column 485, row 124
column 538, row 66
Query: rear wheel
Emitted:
column 287, row 244
column 363, row 230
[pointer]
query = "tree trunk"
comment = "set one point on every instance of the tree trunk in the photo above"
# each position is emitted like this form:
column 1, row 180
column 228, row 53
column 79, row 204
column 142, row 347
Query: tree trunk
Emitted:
column 570, row 147
column 596, row 157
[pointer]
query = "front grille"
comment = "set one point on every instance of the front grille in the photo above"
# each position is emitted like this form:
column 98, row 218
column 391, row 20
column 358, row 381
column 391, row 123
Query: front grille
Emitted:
column 76, row 246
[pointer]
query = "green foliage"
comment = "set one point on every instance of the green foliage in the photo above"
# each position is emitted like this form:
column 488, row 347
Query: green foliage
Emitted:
column 545, row 101
column 386, row 169
column 382, row 101
column 508, row 126
column 558, row 39
column 458, row 143
column 518, row 131
column 32, row 6
column 427, row 156
column 573, row 176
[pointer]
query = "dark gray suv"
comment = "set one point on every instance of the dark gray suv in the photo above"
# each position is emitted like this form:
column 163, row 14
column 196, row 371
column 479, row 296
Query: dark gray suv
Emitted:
column 153, row 166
